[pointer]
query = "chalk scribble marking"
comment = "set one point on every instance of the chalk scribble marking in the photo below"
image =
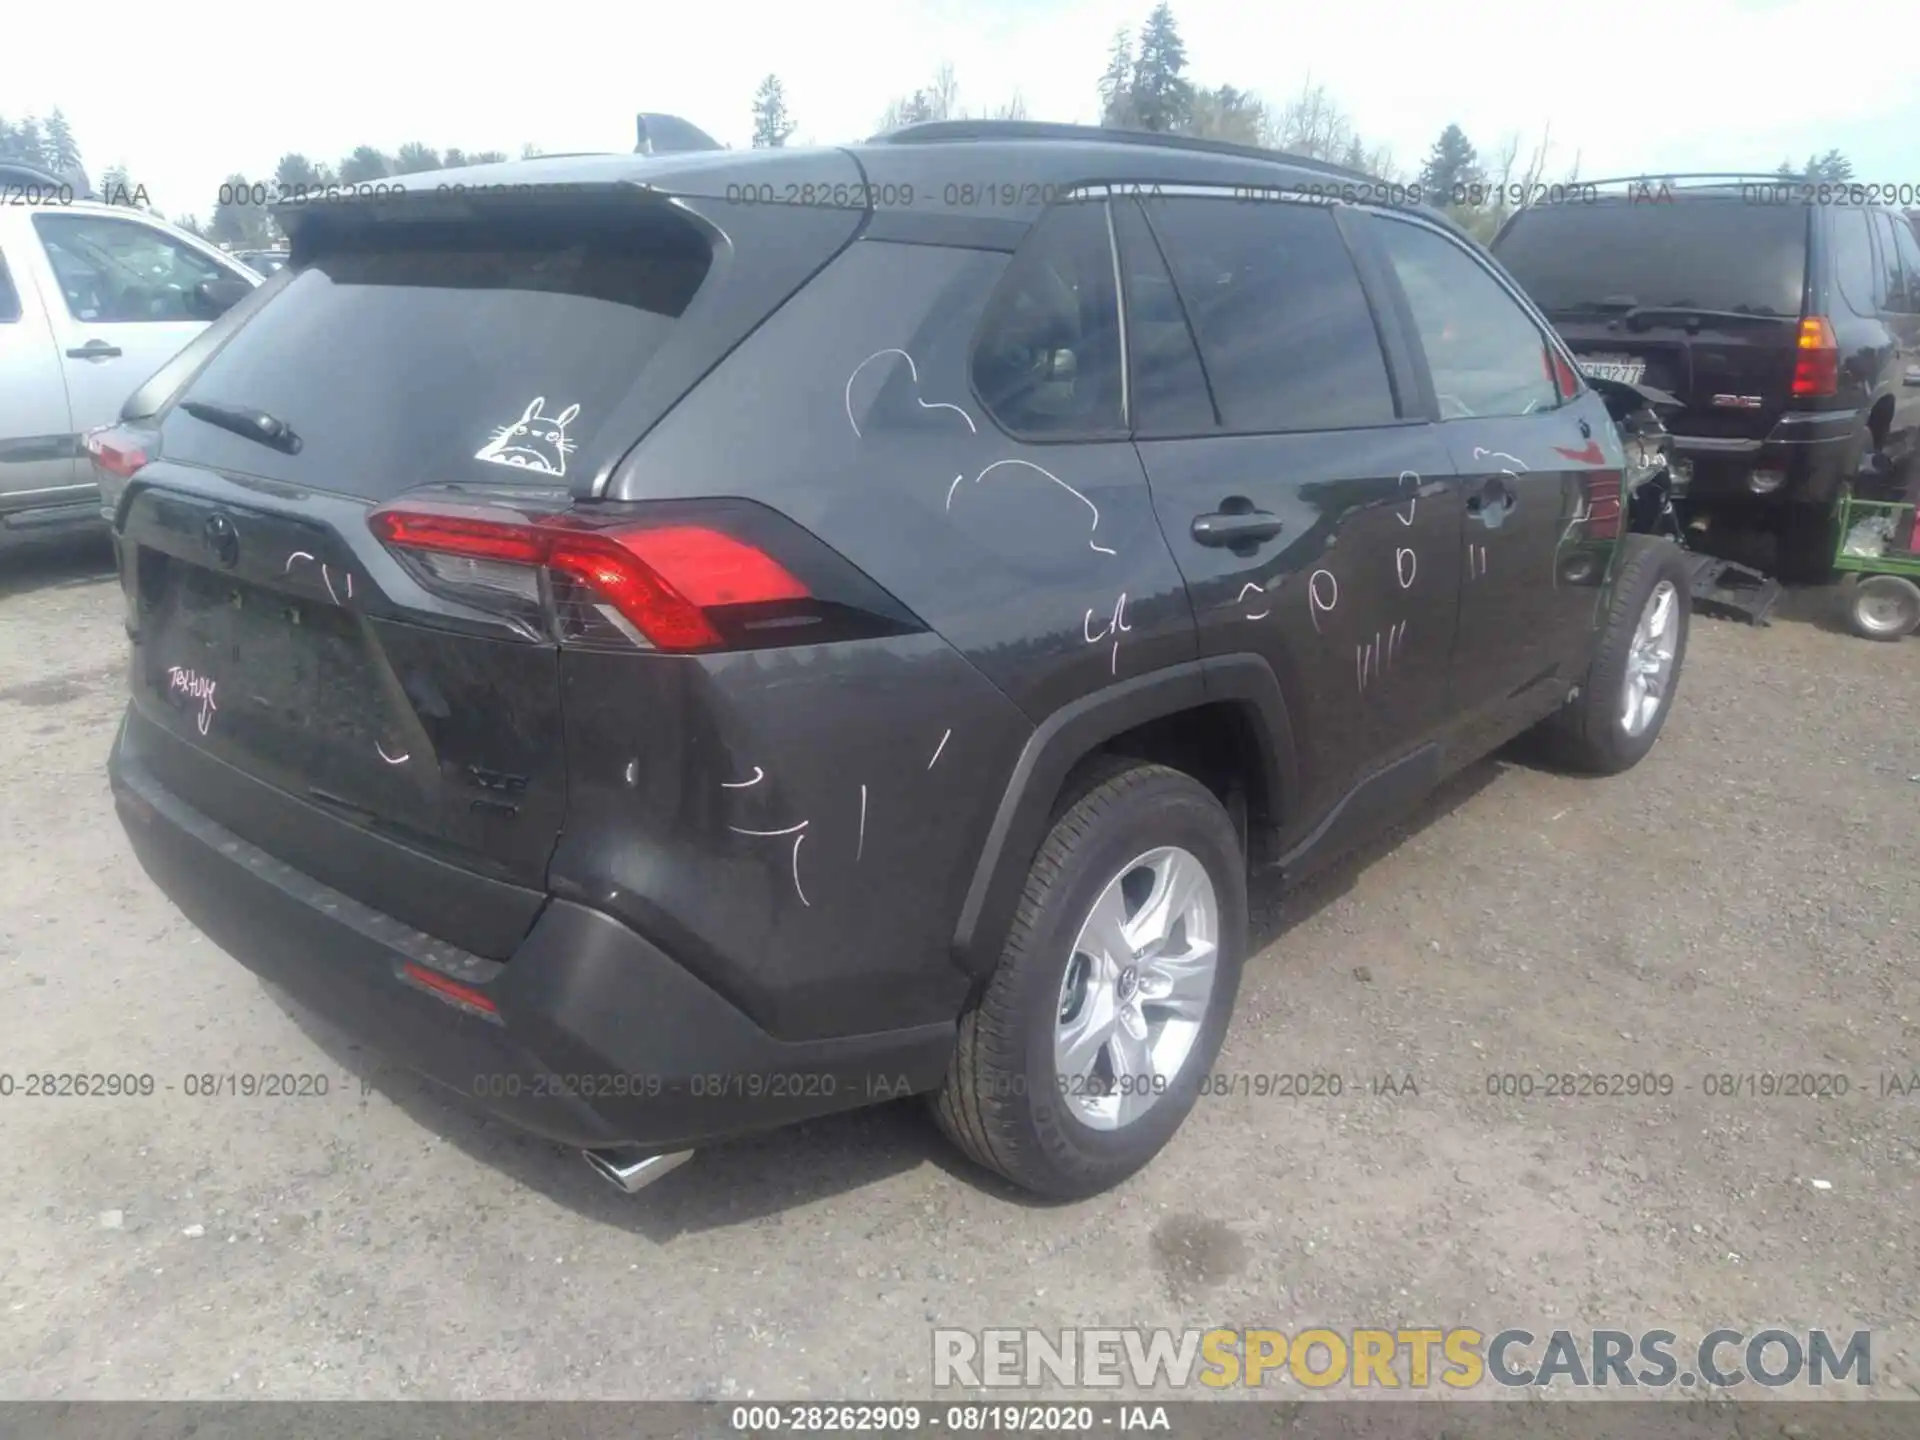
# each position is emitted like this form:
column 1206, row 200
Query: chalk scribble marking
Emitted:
column 938, row 748
column 799, row 833
column 1581, row 514
column 349, row 585
column 913, row 370
column 1476, row 561
column 1251, row 588
column 1481, row 453
column 296, row 555
column 860, row 847
column 1414, row 503
column 796, row 870
column 1316, row 607
column 1405, row 566
column 758, row 776
column 1116, row 626
column 1095, row 509
column 391, row 759
column 1394, row 637
column 194, row 686
column 329, row 579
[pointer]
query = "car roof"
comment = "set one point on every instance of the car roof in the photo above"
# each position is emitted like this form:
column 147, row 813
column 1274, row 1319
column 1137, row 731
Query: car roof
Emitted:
column 1009, row 170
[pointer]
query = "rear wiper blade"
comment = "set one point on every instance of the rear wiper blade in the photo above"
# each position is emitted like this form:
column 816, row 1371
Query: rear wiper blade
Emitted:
column 242, row 420
column 1703, row 311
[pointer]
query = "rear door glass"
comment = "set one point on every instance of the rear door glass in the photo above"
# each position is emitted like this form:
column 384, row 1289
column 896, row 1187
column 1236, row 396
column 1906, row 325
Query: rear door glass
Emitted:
column 1716, row 254
column 404, row 352
column 1853, row 261
column 9, row 297
column 1285, row 332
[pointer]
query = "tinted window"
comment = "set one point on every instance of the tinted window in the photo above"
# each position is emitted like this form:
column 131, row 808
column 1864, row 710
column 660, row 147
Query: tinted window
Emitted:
column 1284, row 329
column 1891, row 286
column 1716, row 254
column 9, row 298
column 400, row 351
column 1170, row 394
column 121, row 271
column 1853, row 262
column 1484, row 351
column 1048, row 358
column 1903, row 237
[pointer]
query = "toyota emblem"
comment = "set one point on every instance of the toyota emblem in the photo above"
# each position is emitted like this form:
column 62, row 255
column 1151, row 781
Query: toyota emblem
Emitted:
column 222, row 540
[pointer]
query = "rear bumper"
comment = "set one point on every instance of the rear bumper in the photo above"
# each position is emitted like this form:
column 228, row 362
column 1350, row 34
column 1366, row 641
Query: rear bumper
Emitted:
column 1816, row 452
column 597, row 1039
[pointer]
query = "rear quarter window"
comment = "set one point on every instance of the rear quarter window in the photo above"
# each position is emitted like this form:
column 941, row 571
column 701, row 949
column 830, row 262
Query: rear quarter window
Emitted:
column 9, row 297
column 405, row 352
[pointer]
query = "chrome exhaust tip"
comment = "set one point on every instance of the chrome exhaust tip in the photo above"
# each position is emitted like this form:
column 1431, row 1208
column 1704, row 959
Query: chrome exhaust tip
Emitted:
column 633, row 1173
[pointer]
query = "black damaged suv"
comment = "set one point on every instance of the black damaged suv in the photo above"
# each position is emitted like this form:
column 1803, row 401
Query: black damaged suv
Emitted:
column 1784, row 315
column 673, row 645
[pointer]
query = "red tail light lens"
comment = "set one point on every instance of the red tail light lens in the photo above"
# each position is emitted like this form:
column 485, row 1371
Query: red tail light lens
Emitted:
column 610, row 580
column 117, row 449
column 1816, row 368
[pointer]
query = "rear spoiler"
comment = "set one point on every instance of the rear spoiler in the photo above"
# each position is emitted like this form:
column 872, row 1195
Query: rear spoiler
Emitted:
column 670, row 135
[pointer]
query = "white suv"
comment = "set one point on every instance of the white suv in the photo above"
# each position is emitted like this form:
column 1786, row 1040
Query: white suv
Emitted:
column 93, row 299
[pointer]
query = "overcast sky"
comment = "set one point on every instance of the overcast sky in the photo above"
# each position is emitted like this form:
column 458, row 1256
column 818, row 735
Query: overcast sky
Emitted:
column 1631, row 86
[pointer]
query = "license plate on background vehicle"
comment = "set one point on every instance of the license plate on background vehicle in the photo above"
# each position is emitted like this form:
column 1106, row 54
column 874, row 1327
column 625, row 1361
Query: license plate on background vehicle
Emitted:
column 1611, row 367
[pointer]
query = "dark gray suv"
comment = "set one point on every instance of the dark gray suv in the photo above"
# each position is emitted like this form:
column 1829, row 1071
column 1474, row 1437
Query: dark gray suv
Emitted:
column 673, row 645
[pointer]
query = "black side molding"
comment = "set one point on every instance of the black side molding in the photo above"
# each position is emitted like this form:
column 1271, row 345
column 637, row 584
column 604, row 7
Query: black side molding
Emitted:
column 1025, row 811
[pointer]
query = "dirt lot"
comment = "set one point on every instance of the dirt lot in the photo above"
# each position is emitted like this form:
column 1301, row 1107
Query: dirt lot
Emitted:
column 1746, row 901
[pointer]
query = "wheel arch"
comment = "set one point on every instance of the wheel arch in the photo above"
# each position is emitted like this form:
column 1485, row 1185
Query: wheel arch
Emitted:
column 1184, row 715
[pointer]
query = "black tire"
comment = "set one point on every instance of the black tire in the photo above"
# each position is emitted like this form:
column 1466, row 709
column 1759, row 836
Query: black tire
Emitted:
column 1590, row 733
column 1001, row 1101
column 1881, row 607
column 1805, row 539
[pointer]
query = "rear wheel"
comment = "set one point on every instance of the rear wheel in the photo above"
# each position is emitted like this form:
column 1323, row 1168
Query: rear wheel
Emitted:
column 1084, row 1053
column 1882, row 607
column 1630, row 683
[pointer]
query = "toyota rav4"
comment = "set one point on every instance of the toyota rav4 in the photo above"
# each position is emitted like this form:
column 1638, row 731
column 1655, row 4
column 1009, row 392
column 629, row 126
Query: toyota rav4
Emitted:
column 672, row 645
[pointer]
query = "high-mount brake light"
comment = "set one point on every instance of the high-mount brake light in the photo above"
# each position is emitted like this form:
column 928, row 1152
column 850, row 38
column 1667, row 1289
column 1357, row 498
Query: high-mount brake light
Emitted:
column 661, row 580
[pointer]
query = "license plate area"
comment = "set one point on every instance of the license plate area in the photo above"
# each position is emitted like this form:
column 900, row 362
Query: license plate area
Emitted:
column 281, row 685
column 1626, row 369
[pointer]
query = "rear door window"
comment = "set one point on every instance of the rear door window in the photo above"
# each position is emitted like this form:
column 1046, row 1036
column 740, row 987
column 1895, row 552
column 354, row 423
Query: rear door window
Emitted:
column 9, row 297
column 1285, row 332
column 1170, row 394
column 1853, row 262
column 403, row 352
column 1909, row 249
column 1486, row 355
column 1709, row 252
column 1047, row 360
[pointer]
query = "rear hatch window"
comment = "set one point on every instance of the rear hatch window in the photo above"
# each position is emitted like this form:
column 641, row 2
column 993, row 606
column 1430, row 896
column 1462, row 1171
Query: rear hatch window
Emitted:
column 411, row 351
column 1711, row 253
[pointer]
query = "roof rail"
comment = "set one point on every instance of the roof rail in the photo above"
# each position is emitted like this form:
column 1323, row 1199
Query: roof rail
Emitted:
column 1706, row 178
column 669, row 135
column 935, row 131
column 20, row 172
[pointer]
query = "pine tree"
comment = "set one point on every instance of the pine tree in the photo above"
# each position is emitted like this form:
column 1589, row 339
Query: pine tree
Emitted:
column 413, row 158
column 1451, row 169
column 63, row 151
column 1116, row 83
column 771, row 123
column 1161, row 94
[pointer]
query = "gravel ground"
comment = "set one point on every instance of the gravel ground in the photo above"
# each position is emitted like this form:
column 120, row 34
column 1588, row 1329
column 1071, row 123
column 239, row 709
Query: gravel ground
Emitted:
column 1745, row 901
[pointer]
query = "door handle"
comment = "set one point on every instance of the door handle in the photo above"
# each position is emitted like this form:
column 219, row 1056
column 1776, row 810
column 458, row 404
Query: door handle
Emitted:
column 1494, row 499
column 95, row 350
column 1236, row 527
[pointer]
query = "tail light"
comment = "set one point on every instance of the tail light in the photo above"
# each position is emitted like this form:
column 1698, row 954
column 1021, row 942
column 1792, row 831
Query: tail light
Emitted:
column 680, row 576
column 1816, row 367
column 117, row 452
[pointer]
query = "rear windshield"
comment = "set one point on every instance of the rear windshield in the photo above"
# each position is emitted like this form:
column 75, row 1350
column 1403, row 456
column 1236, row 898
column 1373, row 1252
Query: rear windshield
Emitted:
column 1711, row 253
column 409, row 352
